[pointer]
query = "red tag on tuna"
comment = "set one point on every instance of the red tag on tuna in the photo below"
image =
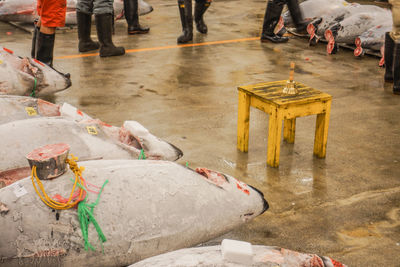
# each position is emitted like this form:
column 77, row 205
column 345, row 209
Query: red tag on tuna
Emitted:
column 37, row 61
column 8, row 50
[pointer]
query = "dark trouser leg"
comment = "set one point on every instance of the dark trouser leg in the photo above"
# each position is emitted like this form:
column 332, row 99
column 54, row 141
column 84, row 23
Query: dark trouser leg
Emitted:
column 396, row 68
column 45, row 47
column 297, row 16
column 132, row 17
column 199, row 10
column 104, row 33
column 84, row 27
column 271, row 18
column 36, row 31
column 185, row 11
column 388, row 55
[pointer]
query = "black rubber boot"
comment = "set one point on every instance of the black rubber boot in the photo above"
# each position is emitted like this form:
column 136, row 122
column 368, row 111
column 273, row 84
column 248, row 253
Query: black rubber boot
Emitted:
column 199, row 9
column 44, row 48
column 396, row 68
column 297, row 16
column 185, row 11
column 271, row 18
column 84, row 27
column 388, row 55
column 36, row 31
column 104, row 33
column 132, row 17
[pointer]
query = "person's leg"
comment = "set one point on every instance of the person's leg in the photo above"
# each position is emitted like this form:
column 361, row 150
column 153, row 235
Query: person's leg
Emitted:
column 199, row 9
column 103, row 10
column 389, row 49
column 52, row 15
column 271, row 18
column 395, row 36
column 132, row 17
column 84, row 11
column 297, row 16
column 36, row 31
column 185, row 12
column 396, row 68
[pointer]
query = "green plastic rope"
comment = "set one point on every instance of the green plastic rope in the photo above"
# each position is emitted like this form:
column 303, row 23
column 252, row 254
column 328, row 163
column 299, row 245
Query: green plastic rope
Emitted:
column 85, row 215
column 33, row 94
column 142, row 155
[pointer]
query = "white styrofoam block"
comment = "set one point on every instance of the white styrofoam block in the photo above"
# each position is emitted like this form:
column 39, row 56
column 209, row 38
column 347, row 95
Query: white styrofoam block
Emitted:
column 237, row 251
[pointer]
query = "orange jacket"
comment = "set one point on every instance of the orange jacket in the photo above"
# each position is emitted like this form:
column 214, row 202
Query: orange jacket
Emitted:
column 52, row 12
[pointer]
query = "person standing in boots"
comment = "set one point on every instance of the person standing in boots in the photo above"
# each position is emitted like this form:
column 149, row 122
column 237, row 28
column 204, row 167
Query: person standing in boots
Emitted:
column 392, row 49
column 52, row 15
column 103, row 11
column 271, row 19
column 185, row 12
column 132, row 17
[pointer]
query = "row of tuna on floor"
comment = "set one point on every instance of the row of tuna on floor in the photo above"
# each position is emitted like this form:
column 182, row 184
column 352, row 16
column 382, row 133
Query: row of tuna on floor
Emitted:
column 148, row 207
column 337, row 21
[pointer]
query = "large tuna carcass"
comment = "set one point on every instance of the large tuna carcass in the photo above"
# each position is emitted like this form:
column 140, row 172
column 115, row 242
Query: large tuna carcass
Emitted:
column 146, row 208
column 25, row 10
column 350, row 28
column 320, row 24
column 373, row 39
column 89, row 139
column 27, row 76
column 263, row 256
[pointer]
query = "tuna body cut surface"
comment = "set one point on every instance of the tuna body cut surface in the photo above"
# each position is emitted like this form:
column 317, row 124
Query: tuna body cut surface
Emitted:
column 146, row 208
column 263, row 256
column 26, row 76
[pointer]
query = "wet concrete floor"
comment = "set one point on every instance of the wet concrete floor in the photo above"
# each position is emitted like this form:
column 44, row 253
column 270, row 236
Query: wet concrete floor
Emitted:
column 345, row 206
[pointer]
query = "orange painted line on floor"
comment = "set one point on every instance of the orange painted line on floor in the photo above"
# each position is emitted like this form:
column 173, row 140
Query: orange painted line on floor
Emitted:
column 166, row 47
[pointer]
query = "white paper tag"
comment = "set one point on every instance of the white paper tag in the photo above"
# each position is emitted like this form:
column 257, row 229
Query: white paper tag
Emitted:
column 19, row 189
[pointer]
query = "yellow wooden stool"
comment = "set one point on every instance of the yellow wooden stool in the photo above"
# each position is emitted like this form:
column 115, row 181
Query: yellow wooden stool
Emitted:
column 268, row 97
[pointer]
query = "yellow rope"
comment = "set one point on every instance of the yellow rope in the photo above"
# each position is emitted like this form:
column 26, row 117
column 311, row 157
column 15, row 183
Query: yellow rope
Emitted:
column 55, row 204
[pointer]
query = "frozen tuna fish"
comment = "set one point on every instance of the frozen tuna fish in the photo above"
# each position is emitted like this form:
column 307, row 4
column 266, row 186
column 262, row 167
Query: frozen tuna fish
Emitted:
column 25, row 10
column 89, row 139
column 27, row 76
column 350, row 28
column 333, row 17
column 147, row 208
column 265, row 256
column 373, row 39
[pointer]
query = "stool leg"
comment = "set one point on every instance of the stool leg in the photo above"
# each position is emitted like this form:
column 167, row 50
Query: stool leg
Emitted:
column 321, row 132
column 274, row 138
column 243, row 122
column 289, row 130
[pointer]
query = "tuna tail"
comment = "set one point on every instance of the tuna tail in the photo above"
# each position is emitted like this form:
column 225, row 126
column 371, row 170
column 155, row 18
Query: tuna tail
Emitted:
column 313, row 37
column 358, row 52
column 312, row 29
column 280, row 27
column 266, row 205
column 382, row 61
column 332, row 46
